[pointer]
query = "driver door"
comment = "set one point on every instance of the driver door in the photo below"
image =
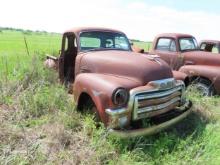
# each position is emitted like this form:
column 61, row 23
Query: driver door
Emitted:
column 61, row 58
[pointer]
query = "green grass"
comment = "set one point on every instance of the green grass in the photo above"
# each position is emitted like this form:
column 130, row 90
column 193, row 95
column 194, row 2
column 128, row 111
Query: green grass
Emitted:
column 14, row 59
column 39, row 123
column 143, row 45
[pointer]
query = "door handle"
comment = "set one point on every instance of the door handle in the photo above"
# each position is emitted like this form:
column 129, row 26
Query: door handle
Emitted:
column 84, row 70
column 189, row 62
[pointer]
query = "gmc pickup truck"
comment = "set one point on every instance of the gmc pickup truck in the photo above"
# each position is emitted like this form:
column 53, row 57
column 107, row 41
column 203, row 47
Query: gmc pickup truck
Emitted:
column 119, row 86
column 182, row 53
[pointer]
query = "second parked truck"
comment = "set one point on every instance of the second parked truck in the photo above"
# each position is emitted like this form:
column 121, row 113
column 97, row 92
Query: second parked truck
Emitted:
column 182, row 53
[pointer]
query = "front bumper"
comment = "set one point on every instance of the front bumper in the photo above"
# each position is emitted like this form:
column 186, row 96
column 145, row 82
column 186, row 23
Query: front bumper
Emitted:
column 153, row 100
column 185, row 111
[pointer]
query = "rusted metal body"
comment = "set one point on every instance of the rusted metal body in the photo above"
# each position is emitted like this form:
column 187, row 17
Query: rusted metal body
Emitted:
column 100, row 74
column 197, row 64
column 210, row 46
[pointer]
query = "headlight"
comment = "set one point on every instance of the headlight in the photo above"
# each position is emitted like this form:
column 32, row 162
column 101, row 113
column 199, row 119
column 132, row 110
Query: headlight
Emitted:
column 120, row 97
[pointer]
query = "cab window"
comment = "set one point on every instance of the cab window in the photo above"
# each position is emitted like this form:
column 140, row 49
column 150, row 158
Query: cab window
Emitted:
column 215, row 49
column 103, row 40
column 188, row 43
column 166, row 44
column 203, row 45
column 209, row 47
column 90, row 42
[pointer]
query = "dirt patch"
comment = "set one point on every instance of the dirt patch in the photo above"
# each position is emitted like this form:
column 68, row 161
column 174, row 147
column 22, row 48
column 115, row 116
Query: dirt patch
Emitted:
column 52, row 140
column 6, row 112
column 62, row 143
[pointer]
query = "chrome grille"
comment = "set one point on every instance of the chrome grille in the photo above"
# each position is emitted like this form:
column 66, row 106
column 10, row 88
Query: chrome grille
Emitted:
column 149, row 104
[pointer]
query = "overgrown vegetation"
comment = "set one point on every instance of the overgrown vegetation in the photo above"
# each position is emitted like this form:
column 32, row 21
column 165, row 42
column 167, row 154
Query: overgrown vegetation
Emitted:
column 39, row 123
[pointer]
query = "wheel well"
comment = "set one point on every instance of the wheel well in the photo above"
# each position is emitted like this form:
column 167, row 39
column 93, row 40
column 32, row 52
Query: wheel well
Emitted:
column 84, row 100
column 186, row 81
column 195, row 78
column 205, row 81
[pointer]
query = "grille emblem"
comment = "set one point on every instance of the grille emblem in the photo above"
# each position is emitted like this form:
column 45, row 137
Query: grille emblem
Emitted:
column 163, row 84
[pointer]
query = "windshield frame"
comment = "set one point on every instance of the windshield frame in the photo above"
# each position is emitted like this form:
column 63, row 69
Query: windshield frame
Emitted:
column 102, row 49
column 194, row 42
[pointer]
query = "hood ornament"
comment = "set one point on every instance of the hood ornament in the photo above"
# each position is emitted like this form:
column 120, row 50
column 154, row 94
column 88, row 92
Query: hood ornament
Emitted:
column 154, row 57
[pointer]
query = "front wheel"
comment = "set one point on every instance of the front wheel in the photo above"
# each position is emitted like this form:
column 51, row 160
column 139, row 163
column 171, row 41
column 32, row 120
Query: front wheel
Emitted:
column 205, row 87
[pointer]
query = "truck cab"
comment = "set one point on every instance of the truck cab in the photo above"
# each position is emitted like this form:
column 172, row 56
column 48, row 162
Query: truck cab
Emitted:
column 121, row 87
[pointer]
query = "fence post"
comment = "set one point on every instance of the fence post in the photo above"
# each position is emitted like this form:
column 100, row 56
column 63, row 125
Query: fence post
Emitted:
column 25, row 41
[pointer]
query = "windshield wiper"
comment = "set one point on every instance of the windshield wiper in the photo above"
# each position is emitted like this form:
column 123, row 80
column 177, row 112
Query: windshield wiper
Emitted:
column 95, row 49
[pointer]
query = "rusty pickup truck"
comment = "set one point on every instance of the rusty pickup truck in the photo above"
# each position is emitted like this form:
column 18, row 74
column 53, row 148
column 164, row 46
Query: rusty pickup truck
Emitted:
column 182, row 53
column 121, row 87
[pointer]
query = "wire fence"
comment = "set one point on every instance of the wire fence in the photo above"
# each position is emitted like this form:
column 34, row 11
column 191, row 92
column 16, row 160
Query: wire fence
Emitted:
column 17, row 51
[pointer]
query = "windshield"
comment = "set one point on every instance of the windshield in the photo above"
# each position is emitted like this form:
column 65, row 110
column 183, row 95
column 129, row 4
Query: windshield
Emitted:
column 103, row 40
column 188, row 44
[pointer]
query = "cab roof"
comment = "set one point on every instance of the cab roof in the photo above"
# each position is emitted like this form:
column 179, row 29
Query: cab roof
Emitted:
column 210, row 41
column 174, row 35
column 77, row 30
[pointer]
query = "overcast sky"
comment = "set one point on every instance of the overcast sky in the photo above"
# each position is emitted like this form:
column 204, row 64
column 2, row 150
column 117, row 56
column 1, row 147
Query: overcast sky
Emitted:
column 139, row 19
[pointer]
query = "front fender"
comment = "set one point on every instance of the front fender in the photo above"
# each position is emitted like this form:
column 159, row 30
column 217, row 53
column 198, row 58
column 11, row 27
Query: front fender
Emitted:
column 100, row 88
column 179, row 75
column 210, row 72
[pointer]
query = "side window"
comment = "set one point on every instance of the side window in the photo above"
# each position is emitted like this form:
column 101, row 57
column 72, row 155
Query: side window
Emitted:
column 203, row 46
column 66, row 44
column 166, row 44
column 215, row 49
column 69, row 43
column 209, row 47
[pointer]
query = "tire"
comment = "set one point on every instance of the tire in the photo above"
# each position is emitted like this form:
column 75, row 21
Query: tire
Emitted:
column 204, row 86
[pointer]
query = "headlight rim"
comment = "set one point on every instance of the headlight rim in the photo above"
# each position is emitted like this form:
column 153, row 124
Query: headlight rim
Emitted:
column 117, row 90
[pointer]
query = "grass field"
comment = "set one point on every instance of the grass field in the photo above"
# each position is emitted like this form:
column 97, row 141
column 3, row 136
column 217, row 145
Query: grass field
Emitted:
column 143, row 45
column 39, row 123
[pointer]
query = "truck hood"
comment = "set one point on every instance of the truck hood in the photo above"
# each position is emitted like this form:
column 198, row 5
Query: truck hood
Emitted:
column 134, row 66
column 202, row 58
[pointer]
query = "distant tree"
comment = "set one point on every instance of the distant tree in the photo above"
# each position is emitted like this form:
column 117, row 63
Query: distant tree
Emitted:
column 19, row 30
column 27, row 32
column 135, row 40
column 44, row 32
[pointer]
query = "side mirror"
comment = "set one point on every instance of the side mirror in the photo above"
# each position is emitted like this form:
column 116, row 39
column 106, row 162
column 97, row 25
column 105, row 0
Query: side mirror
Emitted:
column 131, row 43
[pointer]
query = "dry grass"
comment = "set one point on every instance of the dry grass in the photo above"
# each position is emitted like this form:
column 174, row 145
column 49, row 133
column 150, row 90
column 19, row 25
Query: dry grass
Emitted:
column 51, row 142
